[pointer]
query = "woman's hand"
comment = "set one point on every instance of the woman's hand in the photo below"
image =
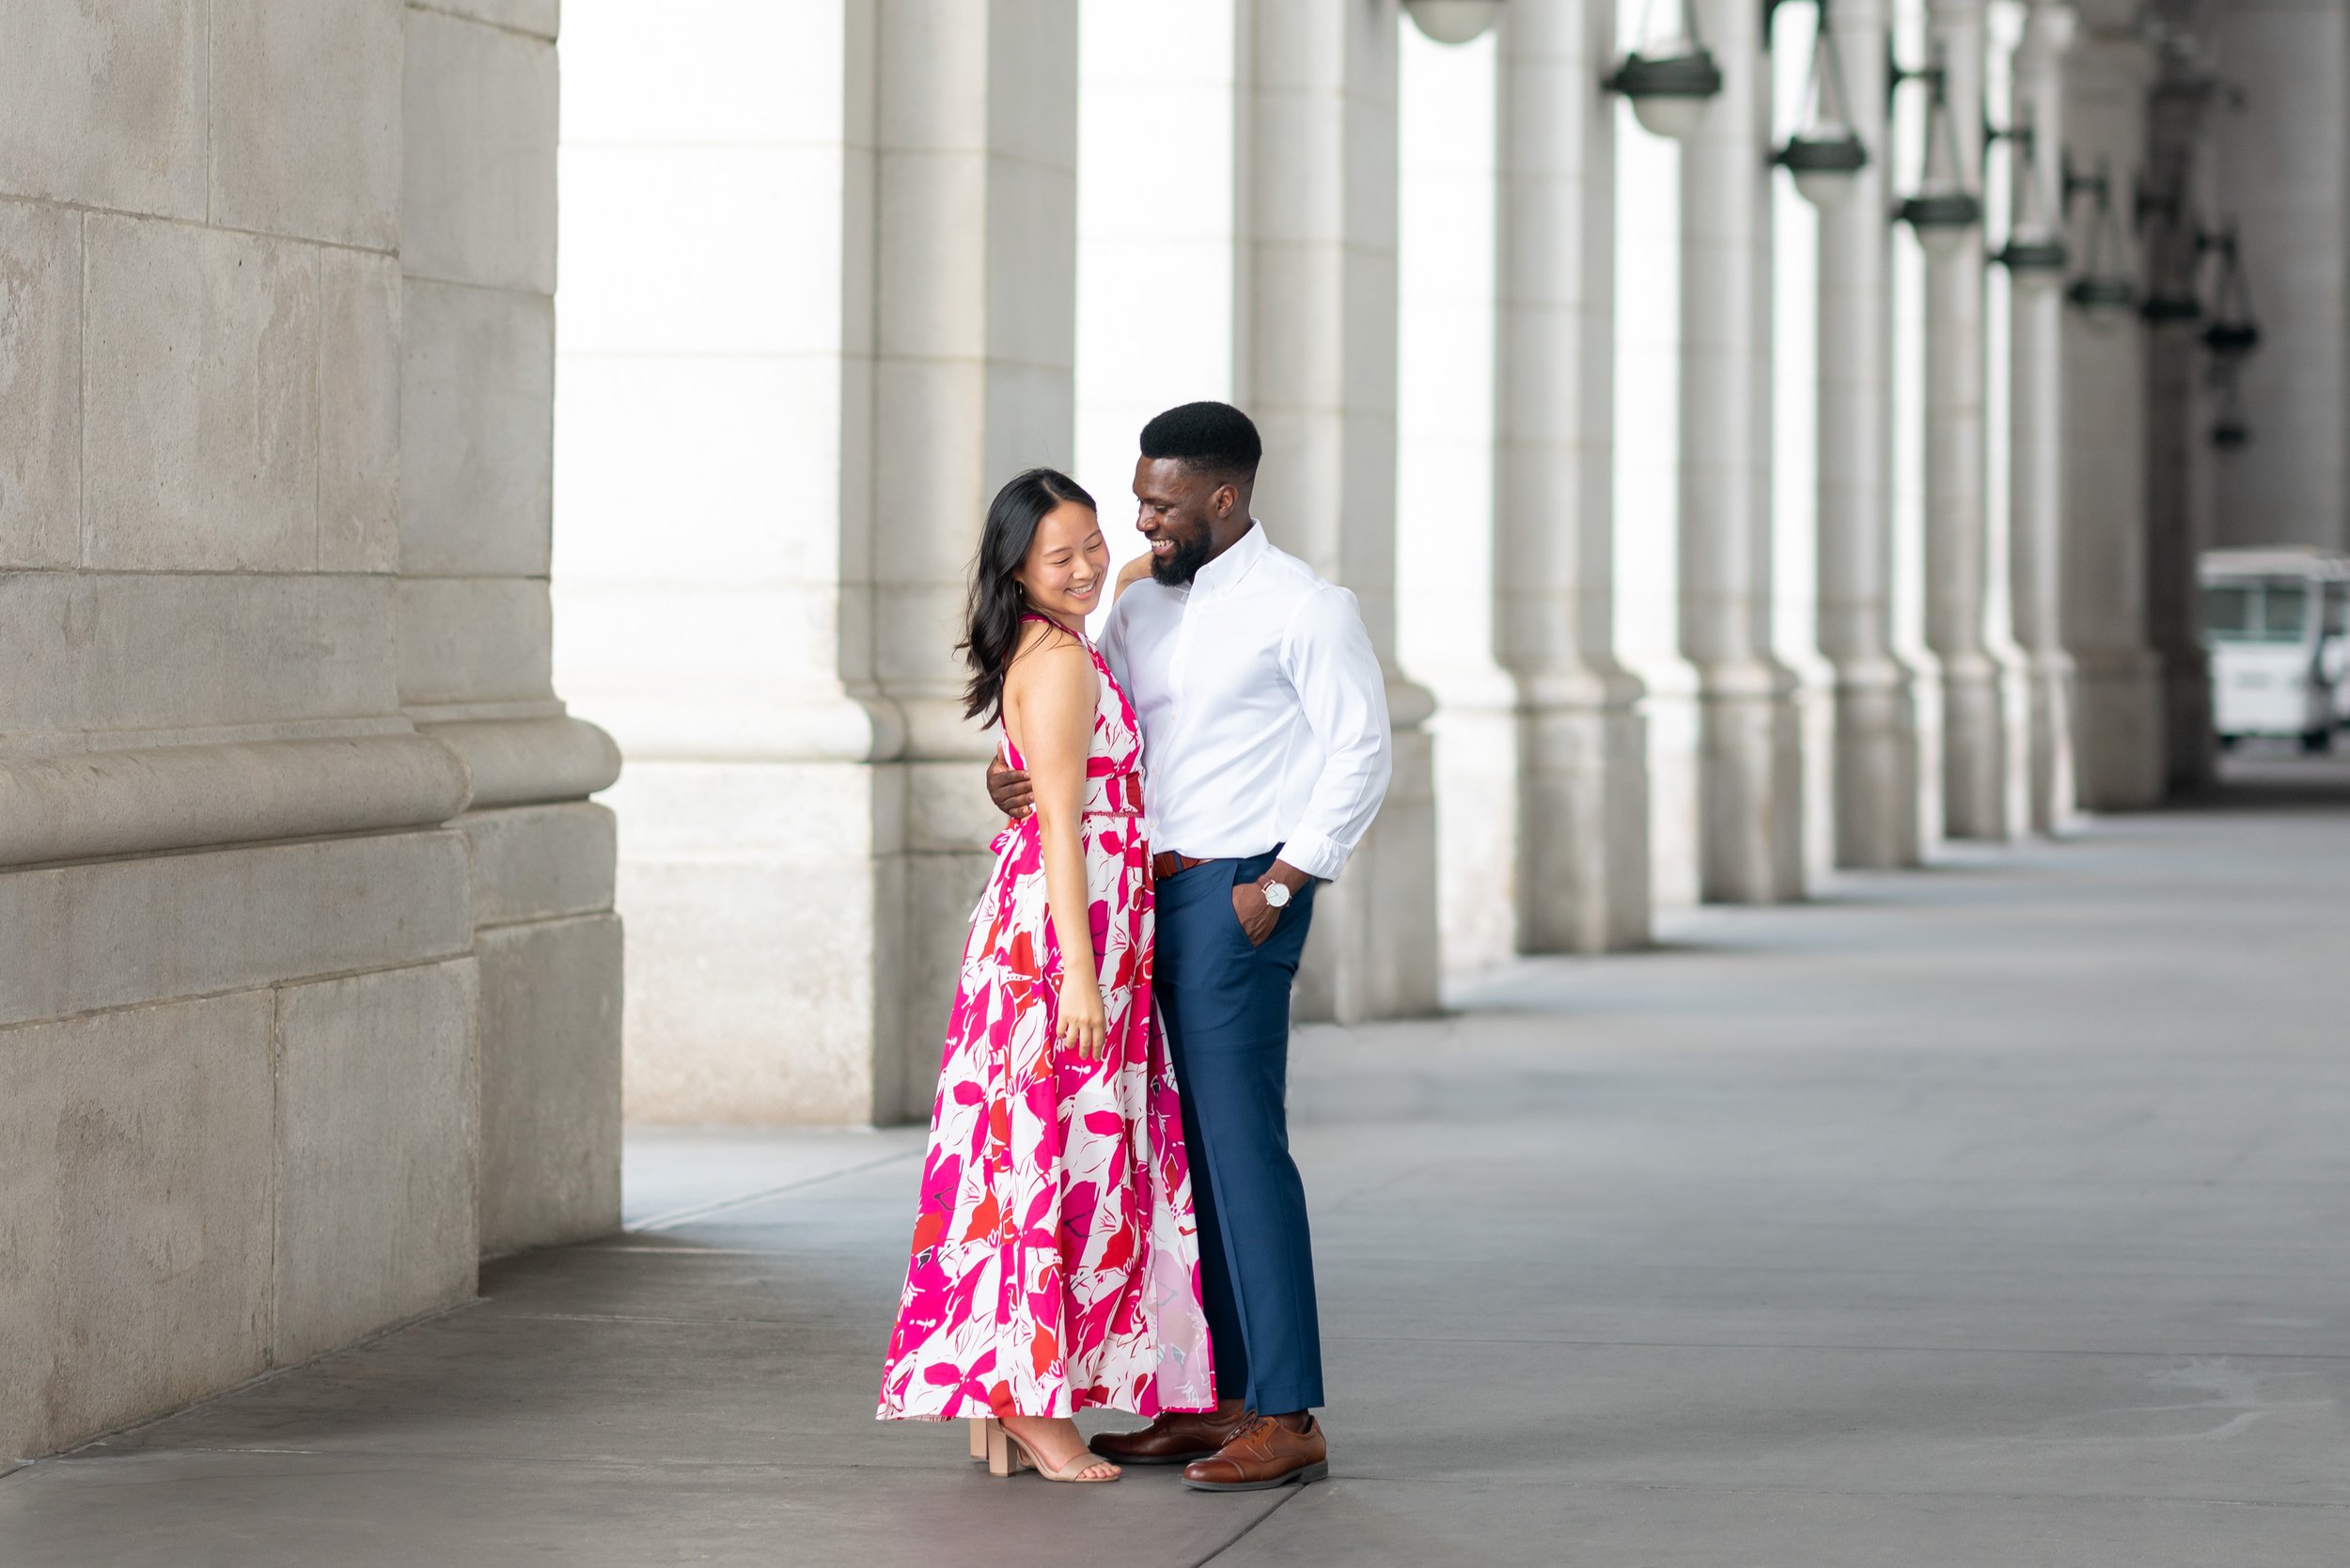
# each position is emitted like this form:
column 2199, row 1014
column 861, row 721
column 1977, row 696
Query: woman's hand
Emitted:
column 1084, row 1026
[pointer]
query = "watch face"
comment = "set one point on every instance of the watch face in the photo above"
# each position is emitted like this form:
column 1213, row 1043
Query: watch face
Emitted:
column 1276, row 894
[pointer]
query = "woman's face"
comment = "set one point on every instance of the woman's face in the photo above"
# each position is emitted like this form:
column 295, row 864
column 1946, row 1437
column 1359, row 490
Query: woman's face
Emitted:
column 1068, row 562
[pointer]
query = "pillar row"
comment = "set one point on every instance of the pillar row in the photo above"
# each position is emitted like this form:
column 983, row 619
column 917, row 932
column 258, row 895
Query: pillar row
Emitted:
column 1583, row 872
column 1876, row 738
column 1750, row 793
column 1981, row 693
column 2035, row 442
column 2117, row 712
column 844, row 371
column 1318, row 159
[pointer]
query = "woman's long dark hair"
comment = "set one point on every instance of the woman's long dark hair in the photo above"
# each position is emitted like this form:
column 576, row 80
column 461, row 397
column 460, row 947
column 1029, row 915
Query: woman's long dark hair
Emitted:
column 991, row 619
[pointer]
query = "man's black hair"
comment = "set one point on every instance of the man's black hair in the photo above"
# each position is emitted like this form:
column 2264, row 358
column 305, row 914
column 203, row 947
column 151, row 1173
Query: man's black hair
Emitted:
column 1207, row 438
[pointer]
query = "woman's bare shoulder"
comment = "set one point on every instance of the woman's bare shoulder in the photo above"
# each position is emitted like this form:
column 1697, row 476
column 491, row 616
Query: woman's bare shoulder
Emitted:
column 1049, row 661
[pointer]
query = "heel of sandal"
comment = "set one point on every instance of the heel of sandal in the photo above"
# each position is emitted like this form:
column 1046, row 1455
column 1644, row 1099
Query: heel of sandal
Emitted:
column 1005, row 1455
column 979, row 1437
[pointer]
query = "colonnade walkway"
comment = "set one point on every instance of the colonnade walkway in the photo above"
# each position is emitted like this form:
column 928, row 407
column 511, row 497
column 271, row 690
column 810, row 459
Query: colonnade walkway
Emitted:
column 1993, row 1213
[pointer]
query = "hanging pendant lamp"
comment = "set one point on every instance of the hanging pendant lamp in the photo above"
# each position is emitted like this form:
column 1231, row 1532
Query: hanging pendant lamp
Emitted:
column 1452, row 20
column 1825, row 153
column 1943, row 208
column 1669, row 80
column 2035, row 254
column 2229, row 432
column 2103, row 293
column 2174, row 263
column 2233, row 333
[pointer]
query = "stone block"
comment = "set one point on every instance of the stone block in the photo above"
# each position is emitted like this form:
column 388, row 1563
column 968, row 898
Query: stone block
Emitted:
column 722, row 1029
column 163, row 652
column 539, row 862
column 530, row 761
column 476, row 432
column 123, row 932
column 376, row 1128
column 481, row 130
column 941, row 891
column 105, row 104
column 200, row 370
column 716, row 859
column 550, row 1082
column 135, row 1191
column 306, row 104
column 40, row 384
column 359, row 412
column 140, row 800
column 933, row 57
column 473, row 639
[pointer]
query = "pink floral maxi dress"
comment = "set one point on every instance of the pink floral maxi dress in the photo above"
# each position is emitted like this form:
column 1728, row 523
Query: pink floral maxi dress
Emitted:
column 1056, row 1259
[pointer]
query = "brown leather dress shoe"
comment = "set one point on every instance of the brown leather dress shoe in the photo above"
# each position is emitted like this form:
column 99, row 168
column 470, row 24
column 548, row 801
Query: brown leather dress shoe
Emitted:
column 1177, row 1437
column 1262, row 1455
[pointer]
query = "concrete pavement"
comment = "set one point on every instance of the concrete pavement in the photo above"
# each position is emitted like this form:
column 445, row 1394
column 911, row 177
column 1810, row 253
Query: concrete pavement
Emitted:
column 1993, row 1213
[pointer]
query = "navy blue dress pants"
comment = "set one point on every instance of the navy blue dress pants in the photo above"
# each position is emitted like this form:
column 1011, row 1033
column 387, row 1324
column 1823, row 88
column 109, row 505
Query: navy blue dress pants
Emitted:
column 1225, row 1006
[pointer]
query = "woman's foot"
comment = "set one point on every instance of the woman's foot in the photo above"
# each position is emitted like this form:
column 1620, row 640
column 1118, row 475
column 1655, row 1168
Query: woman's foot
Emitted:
column 1055, row 1442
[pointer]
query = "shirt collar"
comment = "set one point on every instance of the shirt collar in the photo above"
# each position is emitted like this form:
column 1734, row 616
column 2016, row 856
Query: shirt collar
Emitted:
column 1227, row 569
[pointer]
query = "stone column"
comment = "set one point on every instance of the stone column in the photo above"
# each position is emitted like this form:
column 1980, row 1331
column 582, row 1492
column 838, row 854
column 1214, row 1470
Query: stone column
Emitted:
column 476, row 497
column 2036, row 428
column 811, row 324
column 2178, row 437
column 2117, row 718
column 1582, row 797
column 1877, row 736
column 1981, row 773
column 1320, row 165
column 288, row 1036
column 974, row 379
column 1750, row 797
column 2281, row 162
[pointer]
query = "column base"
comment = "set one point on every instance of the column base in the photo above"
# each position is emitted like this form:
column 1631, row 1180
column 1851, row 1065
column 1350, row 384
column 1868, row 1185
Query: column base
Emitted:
column 2117, row 722
column 769, row 943
column 1583, row 828
column 2190, row 752
column 2055, row 783
column 1374, row 951
column 1750, row 786
column 1983, row 794
column 1876, row 766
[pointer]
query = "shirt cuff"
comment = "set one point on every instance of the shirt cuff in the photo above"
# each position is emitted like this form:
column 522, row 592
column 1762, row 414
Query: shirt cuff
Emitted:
column 1314, row 854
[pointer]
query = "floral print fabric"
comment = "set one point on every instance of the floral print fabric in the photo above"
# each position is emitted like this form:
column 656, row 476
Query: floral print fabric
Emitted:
column 1056, row 1259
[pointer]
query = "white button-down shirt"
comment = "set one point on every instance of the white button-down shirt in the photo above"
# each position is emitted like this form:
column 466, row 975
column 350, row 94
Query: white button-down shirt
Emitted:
column 1263, row 710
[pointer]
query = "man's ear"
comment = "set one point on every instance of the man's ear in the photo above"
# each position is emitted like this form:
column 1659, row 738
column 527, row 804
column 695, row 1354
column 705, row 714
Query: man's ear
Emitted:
column 1227, row 496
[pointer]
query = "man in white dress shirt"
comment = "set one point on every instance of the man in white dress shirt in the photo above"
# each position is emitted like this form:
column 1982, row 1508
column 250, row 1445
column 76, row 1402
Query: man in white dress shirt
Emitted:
column 1265, row 753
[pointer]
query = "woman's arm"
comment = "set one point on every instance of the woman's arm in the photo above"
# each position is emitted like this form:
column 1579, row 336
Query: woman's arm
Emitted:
column 1132, row 573
column 1049, row 696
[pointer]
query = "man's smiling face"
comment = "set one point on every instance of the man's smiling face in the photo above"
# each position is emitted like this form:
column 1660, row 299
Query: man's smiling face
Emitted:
column 1179, row 510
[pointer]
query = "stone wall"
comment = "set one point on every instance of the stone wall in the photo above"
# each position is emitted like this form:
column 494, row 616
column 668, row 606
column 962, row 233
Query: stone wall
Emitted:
column 308, row 975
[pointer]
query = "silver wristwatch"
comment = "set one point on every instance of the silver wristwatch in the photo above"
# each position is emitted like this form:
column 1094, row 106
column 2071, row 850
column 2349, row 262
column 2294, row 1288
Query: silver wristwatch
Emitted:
column 1275, row 891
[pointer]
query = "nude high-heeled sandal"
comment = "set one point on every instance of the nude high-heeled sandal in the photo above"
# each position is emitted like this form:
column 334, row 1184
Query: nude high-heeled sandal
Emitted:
column 1007, row 1455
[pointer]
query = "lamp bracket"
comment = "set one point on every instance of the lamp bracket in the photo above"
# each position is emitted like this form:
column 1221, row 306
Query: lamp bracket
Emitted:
column 1935, row 75
column 2021, row 134
column 2099, row 185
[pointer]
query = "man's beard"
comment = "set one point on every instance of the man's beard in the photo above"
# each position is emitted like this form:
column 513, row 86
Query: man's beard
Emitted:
column 1182, row 563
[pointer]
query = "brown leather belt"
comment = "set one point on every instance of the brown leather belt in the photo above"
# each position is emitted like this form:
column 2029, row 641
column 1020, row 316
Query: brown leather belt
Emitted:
column 1166, row 863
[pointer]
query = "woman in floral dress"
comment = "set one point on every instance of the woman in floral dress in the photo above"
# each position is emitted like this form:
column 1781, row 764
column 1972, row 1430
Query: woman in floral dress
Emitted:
column 1055, row 1261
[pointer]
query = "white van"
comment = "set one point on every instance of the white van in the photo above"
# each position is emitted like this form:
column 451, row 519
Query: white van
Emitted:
column 2278, row 623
